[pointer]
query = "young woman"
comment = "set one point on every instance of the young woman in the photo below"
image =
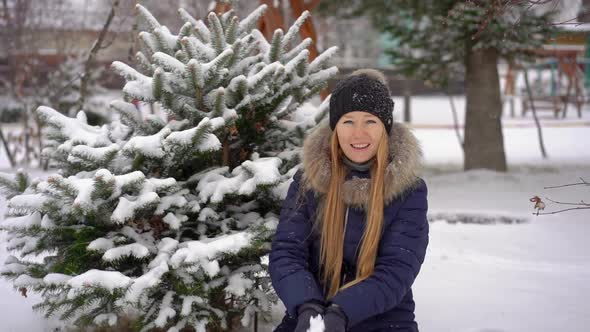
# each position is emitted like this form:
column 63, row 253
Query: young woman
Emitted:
column 353, row 232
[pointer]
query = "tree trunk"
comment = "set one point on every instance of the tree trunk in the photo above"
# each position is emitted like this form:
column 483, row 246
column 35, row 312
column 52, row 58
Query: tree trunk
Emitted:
column 89, row 64
column 539, row 129
column 456, row 121
column 484, row 143
column 7, row 149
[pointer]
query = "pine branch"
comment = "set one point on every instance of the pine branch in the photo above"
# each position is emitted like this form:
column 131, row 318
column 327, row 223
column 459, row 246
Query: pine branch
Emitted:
column 276, row 46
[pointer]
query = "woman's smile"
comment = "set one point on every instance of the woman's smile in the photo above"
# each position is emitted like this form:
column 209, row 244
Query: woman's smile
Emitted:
column 360, row 146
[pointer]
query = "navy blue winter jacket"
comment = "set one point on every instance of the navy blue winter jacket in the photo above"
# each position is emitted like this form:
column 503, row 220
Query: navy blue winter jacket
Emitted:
column 384, row 301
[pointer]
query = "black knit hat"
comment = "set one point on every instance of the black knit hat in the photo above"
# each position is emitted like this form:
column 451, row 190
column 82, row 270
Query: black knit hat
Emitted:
column 364, row 90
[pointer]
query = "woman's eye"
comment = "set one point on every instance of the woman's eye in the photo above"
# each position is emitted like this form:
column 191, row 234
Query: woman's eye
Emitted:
column 371, row 121
column 347, row 122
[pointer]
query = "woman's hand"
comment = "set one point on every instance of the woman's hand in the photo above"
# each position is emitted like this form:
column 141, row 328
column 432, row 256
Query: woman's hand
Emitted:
column 305, row 312
column 334, row 319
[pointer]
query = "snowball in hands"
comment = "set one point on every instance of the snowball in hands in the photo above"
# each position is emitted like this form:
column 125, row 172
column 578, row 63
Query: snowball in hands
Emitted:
column 316, row 324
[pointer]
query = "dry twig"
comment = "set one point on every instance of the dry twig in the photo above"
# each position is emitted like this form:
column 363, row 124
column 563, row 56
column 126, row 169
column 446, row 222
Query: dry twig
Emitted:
column 540, row 205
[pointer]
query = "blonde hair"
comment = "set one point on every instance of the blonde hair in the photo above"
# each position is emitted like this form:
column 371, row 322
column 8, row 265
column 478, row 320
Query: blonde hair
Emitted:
column 333, row 223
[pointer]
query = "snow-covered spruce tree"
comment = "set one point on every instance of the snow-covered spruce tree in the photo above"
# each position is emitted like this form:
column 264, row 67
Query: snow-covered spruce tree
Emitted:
column 61, row 89
column 167, row 219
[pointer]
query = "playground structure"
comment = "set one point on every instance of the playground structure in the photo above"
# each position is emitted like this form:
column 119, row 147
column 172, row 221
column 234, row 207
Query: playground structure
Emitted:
column 273, row 19
column 569, row 76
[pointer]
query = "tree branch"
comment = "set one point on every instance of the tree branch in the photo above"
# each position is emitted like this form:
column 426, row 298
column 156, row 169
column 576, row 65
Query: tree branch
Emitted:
column 90, row 61
column 554, row 212
column 540, row 205
column 496, row 8
column 537, row 123
column 566, row 203
column 456, row 121
column 571, row 21
column 583, row 183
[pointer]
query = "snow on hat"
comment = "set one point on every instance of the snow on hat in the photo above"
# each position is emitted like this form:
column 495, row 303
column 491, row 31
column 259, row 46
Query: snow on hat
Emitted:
column 364, row 90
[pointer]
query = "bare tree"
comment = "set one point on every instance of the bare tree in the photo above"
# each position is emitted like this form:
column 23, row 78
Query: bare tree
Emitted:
column 496, row 8
column 33, row 76
column 537, row 124
column 456, row 121
column 18, row 19
column 96, row 47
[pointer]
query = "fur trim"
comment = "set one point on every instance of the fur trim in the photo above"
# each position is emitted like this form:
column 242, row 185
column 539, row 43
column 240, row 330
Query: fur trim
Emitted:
column 372, row 73
column 405, row 157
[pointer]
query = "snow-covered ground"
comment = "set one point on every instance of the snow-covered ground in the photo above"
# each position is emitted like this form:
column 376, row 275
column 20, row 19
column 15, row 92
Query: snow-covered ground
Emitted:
column 565, row 140
column 532, row 276
column 506, row 277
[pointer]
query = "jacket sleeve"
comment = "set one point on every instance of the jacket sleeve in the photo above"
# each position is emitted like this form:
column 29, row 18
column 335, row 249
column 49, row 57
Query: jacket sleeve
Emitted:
column 289, row 256
column 401, row 253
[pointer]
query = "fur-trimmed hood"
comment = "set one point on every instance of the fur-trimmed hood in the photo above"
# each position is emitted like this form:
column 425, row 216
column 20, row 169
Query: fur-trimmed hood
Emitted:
column 405, row 157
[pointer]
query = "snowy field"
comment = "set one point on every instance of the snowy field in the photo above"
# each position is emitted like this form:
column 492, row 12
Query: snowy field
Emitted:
column 532, row 276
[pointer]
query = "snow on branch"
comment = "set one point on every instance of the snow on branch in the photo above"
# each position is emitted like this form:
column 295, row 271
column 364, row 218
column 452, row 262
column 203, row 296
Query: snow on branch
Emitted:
column 204, row 253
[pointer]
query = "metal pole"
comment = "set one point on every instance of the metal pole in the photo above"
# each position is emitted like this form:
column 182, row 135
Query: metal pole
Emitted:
column 407, row 106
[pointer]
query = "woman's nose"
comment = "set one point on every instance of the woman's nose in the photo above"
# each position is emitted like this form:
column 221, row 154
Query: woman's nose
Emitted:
column 359, row 131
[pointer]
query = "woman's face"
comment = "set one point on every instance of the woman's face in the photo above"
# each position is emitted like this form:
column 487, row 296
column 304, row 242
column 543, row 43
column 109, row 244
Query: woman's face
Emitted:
column 359, row 134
